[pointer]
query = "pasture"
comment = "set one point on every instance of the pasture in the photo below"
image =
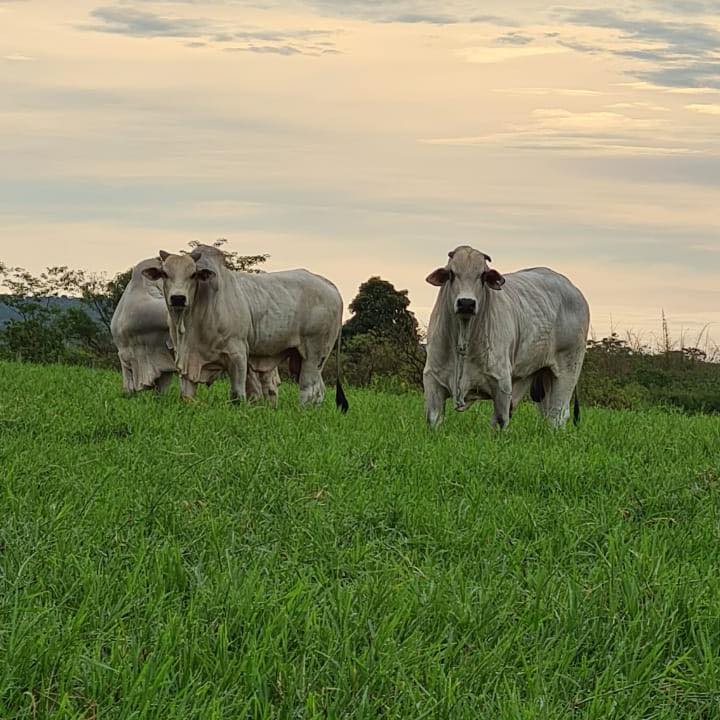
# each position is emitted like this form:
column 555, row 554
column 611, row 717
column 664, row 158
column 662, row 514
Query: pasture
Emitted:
column 168, row 560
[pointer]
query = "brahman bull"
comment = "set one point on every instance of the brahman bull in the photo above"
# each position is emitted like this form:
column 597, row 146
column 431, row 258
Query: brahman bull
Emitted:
column 223, row 320
column 141, row 333
column 494, row 336
column 139, row 328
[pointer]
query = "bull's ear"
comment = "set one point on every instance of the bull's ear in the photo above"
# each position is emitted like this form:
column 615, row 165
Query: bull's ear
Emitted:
column 153, row 273
column 438, row 277
column 204, row 274
column 163, row 255
column 493, row 279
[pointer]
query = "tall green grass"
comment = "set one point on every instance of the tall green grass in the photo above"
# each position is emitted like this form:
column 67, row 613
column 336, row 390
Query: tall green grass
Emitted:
column 170, row 560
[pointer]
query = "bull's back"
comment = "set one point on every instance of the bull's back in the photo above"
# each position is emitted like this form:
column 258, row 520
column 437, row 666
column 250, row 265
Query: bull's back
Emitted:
column 541, row 282
column 307, row 300
column 138, row 314
column 547, row 303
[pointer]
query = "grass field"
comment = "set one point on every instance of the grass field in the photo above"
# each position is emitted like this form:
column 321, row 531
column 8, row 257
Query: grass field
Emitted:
column 164, row 560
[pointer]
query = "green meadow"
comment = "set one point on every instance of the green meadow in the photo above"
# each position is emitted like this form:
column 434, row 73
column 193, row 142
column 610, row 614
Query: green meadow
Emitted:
column 174, row 561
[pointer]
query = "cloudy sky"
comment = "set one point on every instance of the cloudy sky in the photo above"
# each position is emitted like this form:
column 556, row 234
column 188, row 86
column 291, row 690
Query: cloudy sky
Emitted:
column 361, row 137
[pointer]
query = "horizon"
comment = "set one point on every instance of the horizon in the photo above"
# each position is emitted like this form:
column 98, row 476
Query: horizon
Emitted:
column 359, row 139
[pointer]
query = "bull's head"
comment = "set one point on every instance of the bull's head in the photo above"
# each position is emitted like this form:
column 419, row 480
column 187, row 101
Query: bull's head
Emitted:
column 181, row 276
column 465, row 276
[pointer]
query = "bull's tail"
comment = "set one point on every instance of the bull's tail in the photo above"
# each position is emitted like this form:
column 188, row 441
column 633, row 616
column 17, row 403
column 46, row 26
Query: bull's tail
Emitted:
column 576, row 408
column 340, row 399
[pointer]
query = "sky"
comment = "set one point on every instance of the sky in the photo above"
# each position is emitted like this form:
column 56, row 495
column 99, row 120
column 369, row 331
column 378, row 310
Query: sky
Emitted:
column 370, row 137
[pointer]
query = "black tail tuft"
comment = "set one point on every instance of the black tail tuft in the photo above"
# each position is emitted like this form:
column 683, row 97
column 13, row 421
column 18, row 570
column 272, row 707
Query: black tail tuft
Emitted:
column 576, row 410
column 537, row 389
column 340, row 399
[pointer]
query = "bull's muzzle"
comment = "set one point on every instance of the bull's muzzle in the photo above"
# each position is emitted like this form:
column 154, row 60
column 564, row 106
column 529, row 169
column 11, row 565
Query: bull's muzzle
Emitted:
column 178, row 301
column 466, row 306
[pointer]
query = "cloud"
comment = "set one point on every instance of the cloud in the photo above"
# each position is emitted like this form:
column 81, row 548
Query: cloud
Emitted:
column 138, row 23
column 580, row 92
column 642, row 85
column 638, row 105
column 514, row 38
column 687, row 7
column 602, row 133
column 690, row 75
column 488, row 55
column 265, row 49
column 200, row 32
column 673, row 53
column 17, row 58
column 420, row 18
column 407, row 11
column 705, row 109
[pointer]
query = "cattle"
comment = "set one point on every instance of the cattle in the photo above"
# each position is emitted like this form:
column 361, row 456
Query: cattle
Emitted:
column 139, row 328
column 223, row 320
column 141, row 333
column 494, row 336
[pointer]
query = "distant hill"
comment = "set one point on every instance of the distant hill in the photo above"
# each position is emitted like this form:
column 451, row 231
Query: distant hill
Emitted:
column 63, row 303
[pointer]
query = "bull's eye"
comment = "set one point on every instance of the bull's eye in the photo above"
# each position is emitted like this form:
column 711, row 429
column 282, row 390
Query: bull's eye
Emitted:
column 193, row 276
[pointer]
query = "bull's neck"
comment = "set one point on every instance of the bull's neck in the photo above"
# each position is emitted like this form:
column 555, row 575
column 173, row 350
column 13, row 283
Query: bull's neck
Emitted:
column 191, row 324
column 464, row 332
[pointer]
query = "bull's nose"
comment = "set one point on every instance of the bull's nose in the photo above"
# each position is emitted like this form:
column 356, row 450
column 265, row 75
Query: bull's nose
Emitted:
column 466, row 306
column 177, row 300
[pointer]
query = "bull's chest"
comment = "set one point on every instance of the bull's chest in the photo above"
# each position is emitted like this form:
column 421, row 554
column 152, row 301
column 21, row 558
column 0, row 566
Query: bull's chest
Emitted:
column 470, row 377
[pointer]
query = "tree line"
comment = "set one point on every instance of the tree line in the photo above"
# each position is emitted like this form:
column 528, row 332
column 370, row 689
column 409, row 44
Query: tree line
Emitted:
column 63, row 315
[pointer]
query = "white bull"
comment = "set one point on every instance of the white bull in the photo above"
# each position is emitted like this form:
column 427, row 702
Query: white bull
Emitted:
column 141, row 333
column 222, row 320
column 139, row 328
column 493, row 336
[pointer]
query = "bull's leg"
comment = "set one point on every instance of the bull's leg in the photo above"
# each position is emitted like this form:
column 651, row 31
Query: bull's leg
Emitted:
column 163, row 382
column 502, row 392
column 127, row 377
column 435, row 397
column 312, row 387
column 557, row 407
column 253, row 386
column 270, row 381
column 519, row 390
column 566, row 373
column 237, row 372
column 187, row 389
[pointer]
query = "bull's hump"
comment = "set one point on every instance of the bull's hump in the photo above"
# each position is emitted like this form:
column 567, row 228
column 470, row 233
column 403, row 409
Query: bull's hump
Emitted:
column 539, row 269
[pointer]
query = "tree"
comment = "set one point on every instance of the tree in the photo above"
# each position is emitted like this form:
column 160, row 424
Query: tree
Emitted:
column 380, row 308
column 382, row 337
column 234, row 260
column 63, row 315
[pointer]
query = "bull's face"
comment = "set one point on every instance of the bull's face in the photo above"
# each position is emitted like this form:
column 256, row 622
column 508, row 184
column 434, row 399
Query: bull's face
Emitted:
column 180, row 277
column 465, row 276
